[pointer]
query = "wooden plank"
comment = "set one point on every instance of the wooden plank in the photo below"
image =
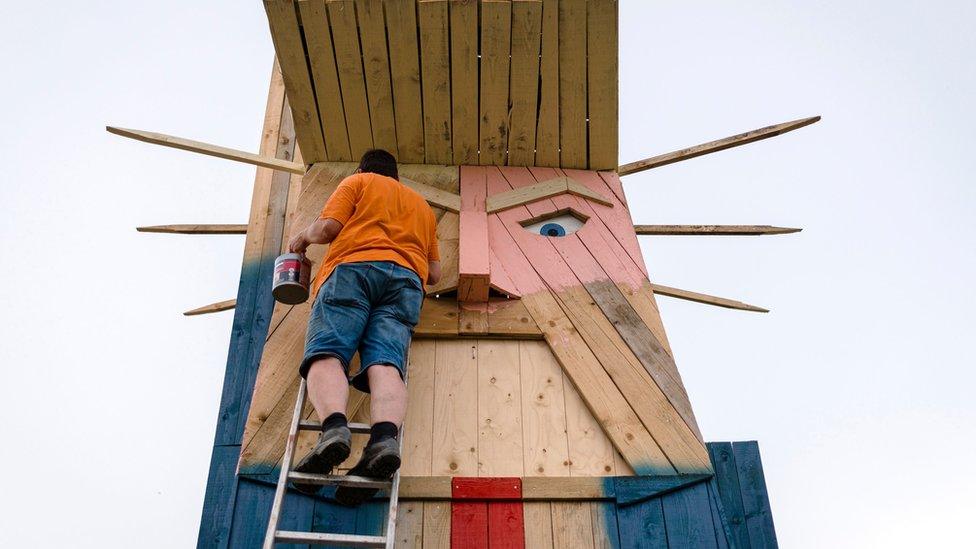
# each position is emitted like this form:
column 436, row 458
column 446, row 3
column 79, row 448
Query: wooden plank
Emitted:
column 712, row 230
column 591, row 453
column 425, row 487
column 208, row 149
column 755, row 499
column 617, row 219
column 321, row 59
column 501, row 201
column 485, row 488
column 464, row 80
column 506, row 525
column 418, row 426
column 689, row 519
column 729, row 492
column 438, row 318
column 212, row 308
column 560, row 488
column 376, row 69
column 601, row 79
column 345, row 39
column 572, row 84
column 448, row 229
column 212, row 228
column 524, row 81
column 473, row 317
column 722, row 532
column 434, row 196
column 571, row 525
column 401, row 30
column 642, row 525
column 496, row 29
column 547, row 132
column 714, row 146
column 435, row 68
column 538, row 525
column 544, row 440
column 437, row 525
column 469, row 525
column 410, row 525
column 456, row 409
column 706, row 299
column 499, row 409
column 510, row 318
column 287, row 38
column 603, row 517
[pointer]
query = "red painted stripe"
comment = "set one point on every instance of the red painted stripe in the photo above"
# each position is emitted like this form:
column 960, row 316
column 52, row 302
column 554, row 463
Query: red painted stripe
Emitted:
column 469, row 525
column 486, row 488
column 506, row 525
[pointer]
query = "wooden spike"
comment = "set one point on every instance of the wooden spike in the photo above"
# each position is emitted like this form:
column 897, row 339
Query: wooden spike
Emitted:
column 213, row 308
column 714, row 146
column 706, row 299
column 716, row 230
column 208, row 149
column 434, row 196
column 194, row 229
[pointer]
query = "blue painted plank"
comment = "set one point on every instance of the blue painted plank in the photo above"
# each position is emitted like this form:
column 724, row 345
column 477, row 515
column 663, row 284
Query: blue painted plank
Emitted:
column 331, row 517
column 688, row 518
column 608, row 519
column 722, row 532
column 727, row 479
column 218, row 501
column 638, row 488
column 755, row 500
column 296, row 516
column 250, row 515
column 641, row 525
column 371, row 519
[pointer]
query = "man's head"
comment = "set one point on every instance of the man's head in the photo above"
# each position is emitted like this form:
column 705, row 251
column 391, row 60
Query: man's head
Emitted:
column 379, row 161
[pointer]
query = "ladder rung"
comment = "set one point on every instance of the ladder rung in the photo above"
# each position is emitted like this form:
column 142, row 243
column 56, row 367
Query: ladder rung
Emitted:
column 360, row 428
column 339, row 480
column 318, row 538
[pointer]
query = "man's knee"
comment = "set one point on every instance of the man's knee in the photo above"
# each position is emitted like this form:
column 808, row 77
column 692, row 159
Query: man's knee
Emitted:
column 383, row 374
column 329, row 365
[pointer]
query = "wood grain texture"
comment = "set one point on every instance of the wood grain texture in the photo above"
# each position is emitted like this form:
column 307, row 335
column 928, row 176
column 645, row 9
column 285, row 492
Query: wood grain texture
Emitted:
column 349, row 62
column 437, row 525
column 217, row 307
column 410, row 525
column 712, row 230
column 464, row 80
column 499, row 409
column 714, row 146
column 572, row 84
column 538, row 525
column 401, row 31
column 213, row 228
column 418, row 426
column 524, row 81
column 208, row 149
column 545, row 444
column 547, row 129
column 456, row 409
column 571, row 525
column 601, row 80
column 496, row 30
column 706, row 299
column 376, row 69
column 325, row 78
column 435, row 64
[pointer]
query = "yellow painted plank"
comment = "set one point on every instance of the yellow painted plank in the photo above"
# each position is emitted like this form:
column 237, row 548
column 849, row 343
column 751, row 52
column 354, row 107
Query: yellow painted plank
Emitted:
column 496, row 29
column 418, row 427
column 376, row 68
column 547, row 133
column 464, row 80
column 524, row 81
column 499, row 409
column 545, row 444
column 435, row 71
column 345, row 40
column 287, row 39
column 455, row 409
column 401, row 31
column 601, row 97
column 321, row 57
column 572, row 84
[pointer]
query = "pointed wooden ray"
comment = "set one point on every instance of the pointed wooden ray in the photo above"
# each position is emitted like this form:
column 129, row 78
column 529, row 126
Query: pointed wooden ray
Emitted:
column 714, row 146
column 434, row 196
column 706, row 299
column 208, row 149
column 213, row 308
column 195, row 229
column 718, row 230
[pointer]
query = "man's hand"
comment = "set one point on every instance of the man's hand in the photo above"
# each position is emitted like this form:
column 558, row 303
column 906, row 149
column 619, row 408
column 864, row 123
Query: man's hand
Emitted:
column 298, row 243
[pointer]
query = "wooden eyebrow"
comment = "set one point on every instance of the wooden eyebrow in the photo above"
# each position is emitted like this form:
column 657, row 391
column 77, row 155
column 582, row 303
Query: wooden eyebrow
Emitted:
column 434, row 196
column 547, row 189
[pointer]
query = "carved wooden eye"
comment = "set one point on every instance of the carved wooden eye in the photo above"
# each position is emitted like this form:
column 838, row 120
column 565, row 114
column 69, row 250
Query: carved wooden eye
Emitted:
column 556, row 224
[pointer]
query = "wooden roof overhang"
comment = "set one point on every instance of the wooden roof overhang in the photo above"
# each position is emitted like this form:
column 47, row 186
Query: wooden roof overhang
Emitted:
column 452, row 82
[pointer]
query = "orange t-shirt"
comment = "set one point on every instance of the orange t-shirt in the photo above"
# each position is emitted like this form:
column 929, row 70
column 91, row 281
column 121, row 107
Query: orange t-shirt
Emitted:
column 382, row 220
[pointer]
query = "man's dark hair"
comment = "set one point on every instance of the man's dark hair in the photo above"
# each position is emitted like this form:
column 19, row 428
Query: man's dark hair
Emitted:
column 379, row 161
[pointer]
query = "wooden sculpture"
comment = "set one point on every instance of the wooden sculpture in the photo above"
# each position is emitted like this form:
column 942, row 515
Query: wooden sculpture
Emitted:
column 546, row 409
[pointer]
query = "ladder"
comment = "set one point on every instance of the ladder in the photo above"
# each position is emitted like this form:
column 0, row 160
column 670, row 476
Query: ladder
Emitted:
column 274, row 535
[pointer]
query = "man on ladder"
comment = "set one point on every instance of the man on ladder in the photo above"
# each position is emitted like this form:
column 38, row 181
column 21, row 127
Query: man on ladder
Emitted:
column 367, row 297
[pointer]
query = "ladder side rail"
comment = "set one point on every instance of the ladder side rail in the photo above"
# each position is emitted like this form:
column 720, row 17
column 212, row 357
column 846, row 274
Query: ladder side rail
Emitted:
column 279, row 497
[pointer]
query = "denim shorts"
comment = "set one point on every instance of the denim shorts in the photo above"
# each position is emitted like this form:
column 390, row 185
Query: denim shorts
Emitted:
column 371, row 307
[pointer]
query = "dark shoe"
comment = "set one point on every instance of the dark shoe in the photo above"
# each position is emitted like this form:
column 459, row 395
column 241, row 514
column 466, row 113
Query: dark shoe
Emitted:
column 380, row 460
column 331, row 450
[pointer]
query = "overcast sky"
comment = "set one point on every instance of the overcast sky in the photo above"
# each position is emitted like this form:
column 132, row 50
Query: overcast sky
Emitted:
column 858, row 385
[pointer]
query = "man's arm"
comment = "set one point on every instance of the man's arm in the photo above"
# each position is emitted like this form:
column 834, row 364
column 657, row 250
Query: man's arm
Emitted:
column 322, row 231
column 433, row 272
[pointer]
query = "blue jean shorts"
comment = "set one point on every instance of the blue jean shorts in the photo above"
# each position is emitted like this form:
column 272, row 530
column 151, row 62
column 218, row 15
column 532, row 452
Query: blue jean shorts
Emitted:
column 371, row 307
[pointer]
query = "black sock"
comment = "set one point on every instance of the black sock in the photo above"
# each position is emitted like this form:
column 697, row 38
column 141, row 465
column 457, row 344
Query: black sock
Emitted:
column 382, row 431
column 337, row 419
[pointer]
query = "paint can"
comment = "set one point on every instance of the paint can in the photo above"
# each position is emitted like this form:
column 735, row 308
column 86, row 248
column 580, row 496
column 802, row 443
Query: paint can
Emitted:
column 291, row 276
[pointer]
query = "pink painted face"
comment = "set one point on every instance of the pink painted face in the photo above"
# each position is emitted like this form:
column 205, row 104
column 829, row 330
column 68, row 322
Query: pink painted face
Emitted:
column 522, row 229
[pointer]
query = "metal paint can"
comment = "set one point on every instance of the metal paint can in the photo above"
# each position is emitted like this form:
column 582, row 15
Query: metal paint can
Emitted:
column 291, row 277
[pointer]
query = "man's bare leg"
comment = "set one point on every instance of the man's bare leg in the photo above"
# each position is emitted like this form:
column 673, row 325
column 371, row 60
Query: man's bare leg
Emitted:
column 388, row 395
column 328, row 387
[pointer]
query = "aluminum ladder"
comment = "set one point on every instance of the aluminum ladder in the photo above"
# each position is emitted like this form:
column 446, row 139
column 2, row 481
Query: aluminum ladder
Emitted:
column 274, row 535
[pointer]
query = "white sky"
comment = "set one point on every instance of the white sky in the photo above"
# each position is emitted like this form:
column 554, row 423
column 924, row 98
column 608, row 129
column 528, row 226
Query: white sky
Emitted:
column 858, row 385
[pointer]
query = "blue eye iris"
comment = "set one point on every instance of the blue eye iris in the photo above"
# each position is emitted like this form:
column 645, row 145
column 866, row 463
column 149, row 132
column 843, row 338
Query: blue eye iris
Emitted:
column 552, row 229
